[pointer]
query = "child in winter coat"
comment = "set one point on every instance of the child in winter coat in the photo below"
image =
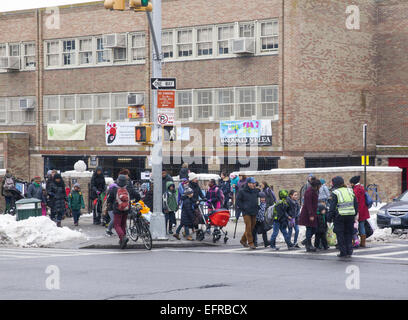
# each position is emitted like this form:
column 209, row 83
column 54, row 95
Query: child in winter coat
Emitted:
column 280, row 220
column 170, row 205
column 321, row 232
column 187, row 214
column 76, row 202
column 260, row 225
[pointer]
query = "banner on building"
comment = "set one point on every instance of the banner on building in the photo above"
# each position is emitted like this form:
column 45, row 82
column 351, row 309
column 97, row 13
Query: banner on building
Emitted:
column 121, row 133
column 66, row 131
column 248, row 132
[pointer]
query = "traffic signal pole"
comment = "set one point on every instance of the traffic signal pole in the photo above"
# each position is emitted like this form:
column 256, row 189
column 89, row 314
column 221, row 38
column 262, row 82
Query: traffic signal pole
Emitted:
column 157, row 222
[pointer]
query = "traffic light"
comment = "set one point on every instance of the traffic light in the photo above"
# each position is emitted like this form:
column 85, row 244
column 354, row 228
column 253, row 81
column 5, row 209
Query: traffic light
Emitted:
column 141, row 5
column 115, row 4
column 143, row 134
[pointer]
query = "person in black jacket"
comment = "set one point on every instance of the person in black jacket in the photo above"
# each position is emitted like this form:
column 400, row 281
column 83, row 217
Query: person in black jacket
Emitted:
column 184, row 171
column 248, row 203
column 59, row 199
column 98, row 187
column 321, row 231
column 120, row 216
column 294, row 212
column 187, row 214
column 198, row 194
column 225, row 186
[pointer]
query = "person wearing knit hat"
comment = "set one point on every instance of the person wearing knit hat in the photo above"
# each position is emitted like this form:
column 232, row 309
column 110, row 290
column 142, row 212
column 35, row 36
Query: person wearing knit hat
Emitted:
column 324, row 192
column 119, row 198
column 363, row 212
column 76, row 202
column 260, row 218
column 342, row 212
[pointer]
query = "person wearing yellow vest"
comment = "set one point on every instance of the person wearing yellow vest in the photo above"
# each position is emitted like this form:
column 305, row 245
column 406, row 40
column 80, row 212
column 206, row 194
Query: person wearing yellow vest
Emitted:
column 343, row 209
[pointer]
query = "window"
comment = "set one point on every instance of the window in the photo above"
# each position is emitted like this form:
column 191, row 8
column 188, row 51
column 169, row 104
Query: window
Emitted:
column 15, row 115
column 51, row 109
column 269, row 102
column 167, row 44
column 3, row 110
column 85, row 51
column 14, row 50
column 204, row 42
column 28, row 55
column 52, row 53
column 68, row 52
column 84, row 109
column 119, row 54
column 269, row 36
column 3, row 50
column 138, row 47
column 247, row 30
column 184, row 105
column 119, row 106
column 204, row 105
column 103, row 55
column 102, row 108
column 225, row 34
column 67, row 107
column 225, row 103
column 246, row 103
column 185, row 43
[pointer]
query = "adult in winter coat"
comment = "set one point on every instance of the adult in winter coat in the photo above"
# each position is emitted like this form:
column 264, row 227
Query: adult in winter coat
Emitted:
column 308, row 214
column 260, row 219
column 187, row 214
column 225, row 186
column 343, row 209
column 165, row 178
column 242, row 181
column 184, row 171
column 35, row 189
column 324, row 193
column 98, row 187
column 247, row 201
column 270, row 195
column 119, row 198
column 213, row 195
column 305, row 187
column 170, row 206
column 198, row 194
column 363, row 213
column 59, row 199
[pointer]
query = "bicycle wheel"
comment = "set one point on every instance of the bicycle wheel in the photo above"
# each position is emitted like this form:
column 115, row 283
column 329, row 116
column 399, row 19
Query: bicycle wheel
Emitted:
column 132, row 230
column 145, row 234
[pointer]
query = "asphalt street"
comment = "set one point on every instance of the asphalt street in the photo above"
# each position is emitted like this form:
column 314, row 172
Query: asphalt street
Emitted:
column 202, row 273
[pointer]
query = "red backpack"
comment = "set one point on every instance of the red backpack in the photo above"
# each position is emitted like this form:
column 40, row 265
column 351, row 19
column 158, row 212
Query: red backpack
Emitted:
column 122, row 199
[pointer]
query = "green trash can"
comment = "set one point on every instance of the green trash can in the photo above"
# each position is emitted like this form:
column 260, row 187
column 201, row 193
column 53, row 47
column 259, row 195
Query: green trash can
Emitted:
column 26, row 208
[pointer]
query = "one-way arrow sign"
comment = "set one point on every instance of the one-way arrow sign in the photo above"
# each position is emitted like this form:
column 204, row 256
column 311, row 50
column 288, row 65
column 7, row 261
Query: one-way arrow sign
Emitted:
column 163, row 83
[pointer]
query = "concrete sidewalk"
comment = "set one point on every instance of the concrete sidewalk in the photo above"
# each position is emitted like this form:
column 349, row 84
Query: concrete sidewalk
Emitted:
column 97, row 239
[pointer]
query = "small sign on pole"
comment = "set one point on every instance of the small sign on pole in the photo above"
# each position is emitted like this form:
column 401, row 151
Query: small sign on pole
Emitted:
column 163, row 83
column 166, row 99
column 366, row 162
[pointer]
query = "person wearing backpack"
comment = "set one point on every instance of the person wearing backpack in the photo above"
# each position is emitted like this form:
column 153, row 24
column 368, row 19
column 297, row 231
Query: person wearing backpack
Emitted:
column 119, row 197
column 76, row 202
column 294, row 211
column 363, row 212
column 280, row 220
column 8, row 184
column 343, row 209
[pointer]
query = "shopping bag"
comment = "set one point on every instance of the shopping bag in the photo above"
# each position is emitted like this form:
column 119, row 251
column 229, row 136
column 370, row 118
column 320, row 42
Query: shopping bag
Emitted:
column 331, row 236
column 368, row 229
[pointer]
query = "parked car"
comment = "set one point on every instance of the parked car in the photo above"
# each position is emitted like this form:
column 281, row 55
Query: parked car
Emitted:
column 394, row 215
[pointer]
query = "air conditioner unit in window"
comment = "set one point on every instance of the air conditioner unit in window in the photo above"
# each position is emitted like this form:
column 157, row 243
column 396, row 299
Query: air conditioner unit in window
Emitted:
column 10, row 63
column 27, row 104
column 135, row 99
column 114, row 40
column 243, row 45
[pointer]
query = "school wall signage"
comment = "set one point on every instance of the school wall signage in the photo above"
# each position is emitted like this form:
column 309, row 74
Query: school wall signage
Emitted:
column 120, row 133
column 60, row 132
column 247, row 132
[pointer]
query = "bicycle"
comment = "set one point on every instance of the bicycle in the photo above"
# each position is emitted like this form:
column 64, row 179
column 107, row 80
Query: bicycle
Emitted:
column 138, row 227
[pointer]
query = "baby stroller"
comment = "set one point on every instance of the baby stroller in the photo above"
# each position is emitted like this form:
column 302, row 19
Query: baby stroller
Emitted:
column 215, row 218
column 15, row 195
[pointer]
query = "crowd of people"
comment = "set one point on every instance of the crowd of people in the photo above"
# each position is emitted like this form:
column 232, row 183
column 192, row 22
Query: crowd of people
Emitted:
column 315, row 207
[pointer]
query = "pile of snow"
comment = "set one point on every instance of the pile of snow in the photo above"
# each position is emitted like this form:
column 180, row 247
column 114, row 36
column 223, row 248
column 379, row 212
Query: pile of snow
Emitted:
column 33, row 232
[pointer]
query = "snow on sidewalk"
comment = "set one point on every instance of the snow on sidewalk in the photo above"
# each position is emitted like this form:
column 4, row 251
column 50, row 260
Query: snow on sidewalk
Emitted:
column 34, row 232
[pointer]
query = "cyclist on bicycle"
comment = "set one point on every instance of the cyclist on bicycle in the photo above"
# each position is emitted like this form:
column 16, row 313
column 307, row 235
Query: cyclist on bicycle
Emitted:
column 98, row 187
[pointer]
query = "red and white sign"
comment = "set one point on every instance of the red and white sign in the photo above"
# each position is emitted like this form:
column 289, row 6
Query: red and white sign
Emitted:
column 166, row 99
column 165, row 116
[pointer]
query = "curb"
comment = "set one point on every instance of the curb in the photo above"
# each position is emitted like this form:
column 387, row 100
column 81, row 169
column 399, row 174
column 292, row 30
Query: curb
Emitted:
column 156, row 245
